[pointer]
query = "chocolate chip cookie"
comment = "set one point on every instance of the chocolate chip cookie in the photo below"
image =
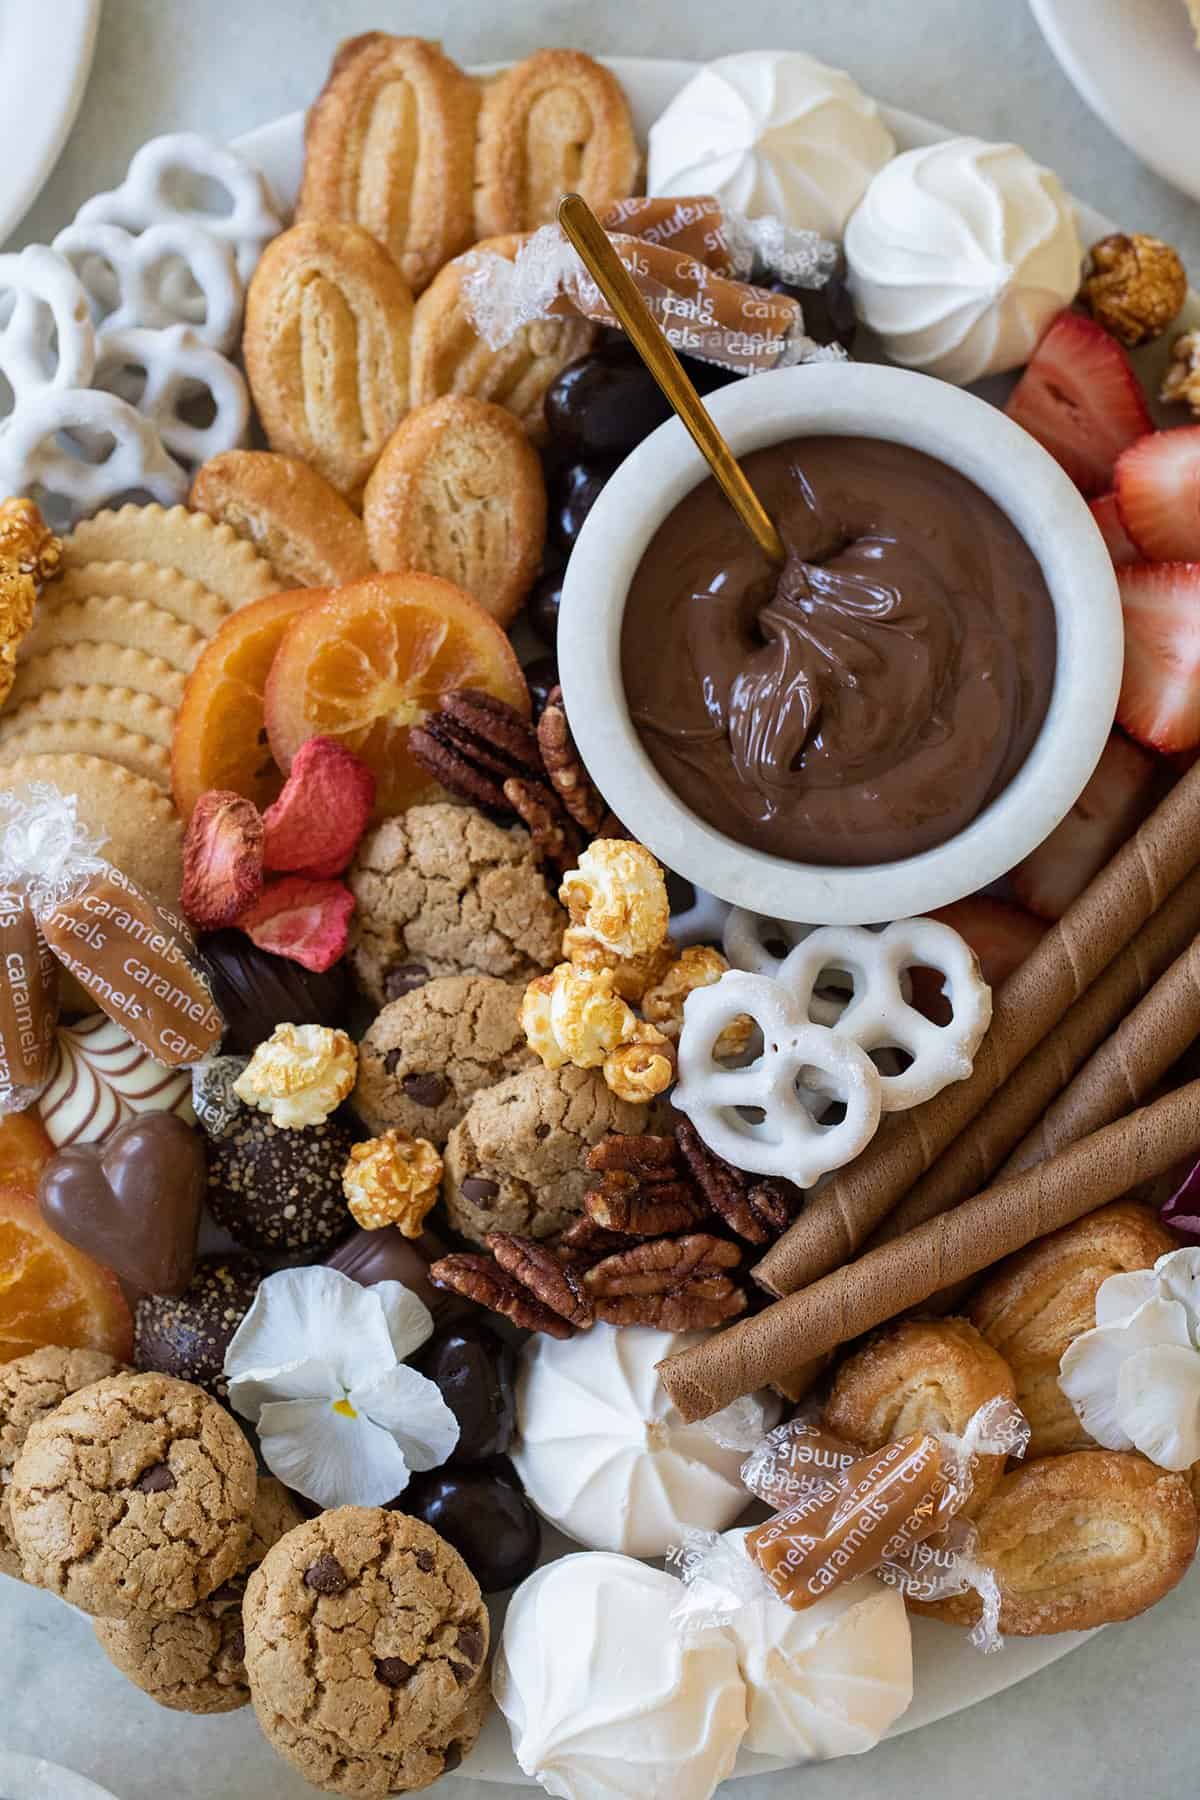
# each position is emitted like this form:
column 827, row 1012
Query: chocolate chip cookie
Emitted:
column 133, row 1496
column 429, row 1053
column 444, row 891
column 515, row 1162
column 30, row 1387
column 366, row 1646
column 195, row 1661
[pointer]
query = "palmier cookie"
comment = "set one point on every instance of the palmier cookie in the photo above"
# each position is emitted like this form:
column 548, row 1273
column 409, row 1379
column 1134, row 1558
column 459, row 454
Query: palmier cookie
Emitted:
column 920, row 1375
column 556, row 123
column 1037, row 1302
column 449, row 356
column 458, row 492
column 285, row 509
column 1078, row 1541
column 328, row 319
column 389, row 145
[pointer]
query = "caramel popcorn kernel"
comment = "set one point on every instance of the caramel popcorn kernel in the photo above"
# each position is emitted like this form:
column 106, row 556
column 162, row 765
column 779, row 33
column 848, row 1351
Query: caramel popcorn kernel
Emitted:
column 393, row 1179
column 1182, row 379
column 574, row 1017
column 299, row 1075
column 618, row 893
column 1135, row 286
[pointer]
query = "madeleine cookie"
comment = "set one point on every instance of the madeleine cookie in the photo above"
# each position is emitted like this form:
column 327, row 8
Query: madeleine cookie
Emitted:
column 449, row 357
column 87, row 665
column 186, row 600
column 1078, row 1541
column 174, row 538
column 111, row 619
column 920, row 1375
column 121, row 706
column 1037, row 1302
column 328, row 319
column 556, row 123
column 390, row 145
column 84, row 736
column 142, row 832
column 302, row 525
column 459, row 492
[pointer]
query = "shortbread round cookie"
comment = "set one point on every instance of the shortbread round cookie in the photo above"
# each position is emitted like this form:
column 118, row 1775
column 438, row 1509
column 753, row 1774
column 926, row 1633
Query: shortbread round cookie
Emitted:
column 459, row 492
column 108, row 665
column 111, row 619
column 174, row 538
column 121, row 706
column 556, row 122
column 300, row 523
column 390, row 145
column 90, row 737
column 449, row 356
column 328, row 320
column 187, row 600
column 142, row 831
column 133, row 1496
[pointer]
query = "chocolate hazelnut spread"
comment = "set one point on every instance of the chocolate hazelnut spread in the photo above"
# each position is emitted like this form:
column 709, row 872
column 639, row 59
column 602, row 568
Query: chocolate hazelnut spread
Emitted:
column 867, row 702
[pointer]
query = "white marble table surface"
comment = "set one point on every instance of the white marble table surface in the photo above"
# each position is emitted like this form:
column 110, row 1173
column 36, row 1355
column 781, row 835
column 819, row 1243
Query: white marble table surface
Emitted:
column 1119, row 1716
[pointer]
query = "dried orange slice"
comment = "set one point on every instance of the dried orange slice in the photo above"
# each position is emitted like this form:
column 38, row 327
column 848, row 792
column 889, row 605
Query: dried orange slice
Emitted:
column 220, row 738
column 51, row 1293
column 25, row 1149
column 372, row 661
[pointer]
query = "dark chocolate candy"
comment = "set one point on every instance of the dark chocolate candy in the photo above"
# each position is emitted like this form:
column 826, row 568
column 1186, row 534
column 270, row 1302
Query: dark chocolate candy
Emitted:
column 257, row 991
column 476, row 1371
column 483, row 1512
column 133, row 1202
column 188, row 1335
column 387, row 1255
column 281, row 1190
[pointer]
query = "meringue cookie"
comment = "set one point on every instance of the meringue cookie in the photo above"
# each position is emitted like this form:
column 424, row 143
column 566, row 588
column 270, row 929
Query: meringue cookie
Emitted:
column 604, row 1696
column 604, row 1455
column 771, row 131
column 960, row 255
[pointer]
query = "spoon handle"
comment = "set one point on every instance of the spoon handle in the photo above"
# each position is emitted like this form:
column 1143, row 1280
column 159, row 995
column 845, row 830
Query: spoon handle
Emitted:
column 620, row 290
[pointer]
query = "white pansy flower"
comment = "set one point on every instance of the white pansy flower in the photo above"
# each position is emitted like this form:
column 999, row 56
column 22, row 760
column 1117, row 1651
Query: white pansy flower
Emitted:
column 317, row 1364
column 1134, row 1381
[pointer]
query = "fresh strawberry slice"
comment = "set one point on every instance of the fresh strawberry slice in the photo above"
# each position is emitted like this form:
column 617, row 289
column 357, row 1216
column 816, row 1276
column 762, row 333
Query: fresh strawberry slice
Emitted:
column 1160, row 694
column 1001, row 935
column 1109, row 810
column 1117, row 541
column 1081, row 400
column 1157, row 484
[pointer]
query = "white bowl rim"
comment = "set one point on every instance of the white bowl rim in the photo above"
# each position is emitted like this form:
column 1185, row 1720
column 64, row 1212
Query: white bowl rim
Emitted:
column 970, row 435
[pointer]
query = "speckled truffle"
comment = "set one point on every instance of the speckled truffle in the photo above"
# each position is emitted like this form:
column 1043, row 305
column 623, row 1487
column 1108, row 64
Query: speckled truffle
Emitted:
column 280, row 1190
column 187, row 1336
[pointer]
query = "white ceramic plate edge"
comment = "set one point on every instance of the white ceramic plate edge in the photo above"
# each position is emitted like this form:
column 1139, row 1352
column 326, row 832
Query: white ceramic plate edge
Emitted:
column 46, row 49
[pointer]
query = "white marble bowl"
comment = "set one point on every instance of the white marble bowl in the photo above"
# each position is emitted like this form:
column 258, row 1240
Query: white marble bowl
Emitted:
column 847, row 399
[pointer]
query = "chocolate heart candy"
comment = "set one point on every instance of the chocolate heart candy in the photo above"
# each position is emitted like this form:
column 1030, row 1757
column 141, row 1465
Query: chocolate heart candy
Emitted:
column 132, row 1202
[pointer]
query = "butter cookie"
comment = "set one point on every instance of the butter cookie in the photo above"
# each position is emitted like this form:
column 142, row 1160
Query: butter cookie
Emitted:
column 289, row 513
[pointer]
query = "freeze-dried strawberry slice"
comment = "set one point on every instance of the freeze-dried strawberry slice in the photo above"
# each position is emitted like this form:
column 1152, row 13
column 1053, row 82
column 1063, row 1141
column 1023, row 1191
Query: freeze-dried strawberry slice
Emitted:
column 314, row 826
column 222, row 859
column 308, row 921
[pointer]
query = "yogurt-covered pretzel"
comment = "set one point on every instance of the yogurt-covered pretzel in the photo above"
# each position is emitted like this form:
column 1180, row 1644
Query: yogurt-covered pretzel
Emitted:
column 798, row 1060
column 176, row 273
column 34, row 457
column 160, row 373
column 46, row 338
column 879, row 1015
column 155, row 192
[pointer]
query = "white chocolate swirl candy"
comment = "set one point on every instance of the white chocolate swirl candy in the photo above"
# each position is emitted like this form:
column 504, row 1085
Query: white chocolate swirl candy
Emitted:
column 100, row 1078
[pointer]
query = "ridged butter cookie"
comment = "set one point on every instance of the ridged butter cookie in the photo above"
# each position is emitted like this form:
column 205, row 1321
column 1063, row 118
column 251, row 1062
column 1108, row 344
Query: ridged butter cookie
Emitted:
column 174, row 538
column 84, row 736
column 187, row 600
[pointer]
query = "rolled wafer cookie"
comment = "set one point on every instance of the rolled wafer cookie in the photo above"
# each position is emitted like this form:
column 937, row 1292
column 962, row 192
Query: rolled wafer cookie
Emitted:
column 1071, row 956
column 174, row 538
column 390, row 145
column 187, row 600
column 555, row 123
column 301, row 524
column 971, row 1160
column 958, row 1244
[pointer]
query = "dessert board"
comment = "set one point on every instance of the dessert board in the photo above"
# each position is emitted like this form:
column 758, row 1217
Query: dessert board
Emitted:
column 48, row 53
column 946, row 1680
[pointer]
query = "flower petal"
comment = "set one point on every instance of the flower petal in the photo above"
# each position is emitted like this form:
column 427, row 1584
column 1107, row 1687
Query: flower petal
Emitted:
column 317, row 1313
column 1178, row 1277
column 411, row 1407
column 1090, row 1367
column 409, row 1320
column 329, row 1458
column 1158, row 1399
column 307, row 1380
column 1118, row 1298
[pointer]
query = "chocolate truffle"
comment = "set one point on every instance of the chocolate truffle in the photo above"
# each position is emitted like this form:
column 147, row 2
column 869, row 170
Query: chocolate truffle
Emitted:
column 187, row 1335
column 387, row 1255
column 257, row 991
column 280, row 1190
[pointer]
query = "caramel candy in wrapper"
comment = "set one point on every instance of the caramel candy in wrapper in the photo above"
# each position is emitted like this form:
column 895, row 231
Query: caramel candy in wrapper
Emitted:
column 134, row 958
column 794, row 1459
column 28, row 1004
column 693, row 227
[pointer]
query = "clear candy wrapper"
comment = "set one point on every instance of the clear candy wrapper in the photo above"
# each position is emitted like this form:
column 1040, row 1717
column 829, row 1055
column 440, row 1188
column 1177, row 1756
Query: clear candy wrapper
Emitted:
column 893, row 1512
column 691, row 261
column 28, row 994
column 132, row 956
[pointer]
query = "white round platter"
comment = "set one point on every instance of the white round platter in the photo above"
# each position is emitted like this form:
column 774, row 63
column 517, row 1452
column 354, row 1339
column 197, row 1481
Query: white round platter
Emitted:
column 1138, row 68
column 45, row 58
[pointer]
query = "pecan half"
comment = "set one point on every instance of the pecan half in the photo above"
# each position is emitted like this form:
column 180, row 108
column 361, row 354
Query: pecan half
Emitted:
column 621, row 1203
column 757, row 1209
column 644, row 1155
column 473, row 744
column 584, row 1243
column 564, row 766
column 555, row 836
column 480, row 1278
column 555, row 1284
column 696, row 1306
column 661, row 1265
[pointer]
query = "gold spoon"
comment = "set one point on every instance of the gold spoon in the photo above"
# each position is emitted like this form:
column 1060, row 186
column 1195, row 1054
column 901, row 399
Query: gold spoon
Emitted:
column 646, row 335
